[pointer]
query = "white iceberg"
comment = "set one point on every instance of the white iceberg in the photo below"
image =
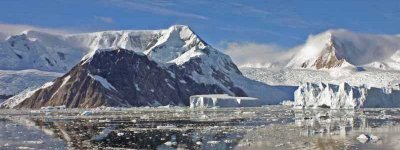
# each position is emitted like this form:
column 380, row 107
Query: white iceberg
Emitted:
column 332, row 96
column 222, row 100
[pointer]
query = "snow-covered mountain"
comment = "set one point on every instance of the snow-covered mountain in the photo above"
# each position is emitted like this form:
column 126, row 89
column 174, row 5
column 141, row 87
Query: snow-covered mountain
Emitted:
column 341, row 48
column 162, row 66
column 58, row 53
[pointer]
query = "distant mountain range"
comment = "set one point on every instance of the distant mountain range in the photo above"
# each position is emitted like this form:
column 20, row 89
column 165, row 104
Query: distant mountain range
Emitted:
column 160, row 67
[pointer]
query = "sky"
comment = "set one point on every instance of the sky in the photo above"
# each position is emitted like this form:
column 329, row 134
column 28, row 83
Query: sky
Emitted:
column 278, row 24
column 282, row 22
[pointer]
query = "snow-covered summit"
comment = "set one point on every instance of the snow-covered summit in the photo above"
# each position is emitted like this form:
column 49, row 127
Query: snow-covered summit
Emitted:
column 343, row 48
column 60, row 52
column 175, row 42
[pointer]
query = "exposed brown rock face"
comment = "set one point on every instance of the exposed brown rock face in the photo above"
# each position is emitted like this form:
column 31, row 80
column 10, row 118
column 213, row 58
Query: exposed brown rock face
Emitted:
column 328, row 58
column 123, row 78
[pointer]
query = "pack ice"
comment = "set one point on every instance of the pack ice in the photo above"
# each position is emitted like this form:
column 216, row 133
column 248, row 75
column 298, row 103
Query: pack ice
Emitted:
column 321, row 95
column 222, row 100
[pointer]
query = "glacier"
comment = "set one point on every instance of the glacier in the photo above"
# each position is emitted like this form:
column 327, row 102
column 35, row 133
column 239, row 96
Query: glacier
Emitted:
column 344, row 96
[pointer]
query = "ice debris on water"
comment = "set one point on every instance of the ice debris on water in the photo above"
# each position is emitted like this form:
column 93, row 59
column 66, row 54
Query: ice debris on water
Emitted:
column 169, row 143
column 213, row 142
column 120, row 134
column 167, row 127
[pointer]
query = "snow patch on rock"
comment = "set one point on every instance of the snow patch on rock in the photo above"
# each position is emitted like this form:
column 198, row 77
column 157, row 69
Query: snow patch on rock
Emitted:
column 102, row 81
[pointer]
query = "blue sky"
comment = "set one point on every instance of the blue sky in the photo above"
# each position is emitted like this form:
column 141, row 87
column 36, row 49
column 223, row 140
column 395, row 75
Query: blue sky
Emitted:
column 281, row 22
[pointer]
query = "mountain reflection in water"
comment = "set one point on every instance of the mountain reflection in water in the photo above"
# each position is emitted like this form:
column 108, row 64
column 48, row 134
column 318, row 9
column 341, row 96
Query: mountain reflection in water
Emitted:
column 276, row 127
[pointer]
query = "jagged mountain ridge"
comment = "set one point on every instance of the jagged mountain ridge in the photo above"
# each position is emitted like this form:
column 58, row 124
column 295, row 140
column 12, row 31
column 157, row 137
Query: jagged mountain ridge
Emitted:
column 59, row 53
column 341, row 48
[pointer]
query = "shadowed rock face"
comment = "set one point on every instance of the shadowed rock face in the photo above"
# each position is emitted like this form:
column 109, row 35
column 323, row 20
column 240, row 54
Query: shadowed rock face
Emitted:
column 123, row 78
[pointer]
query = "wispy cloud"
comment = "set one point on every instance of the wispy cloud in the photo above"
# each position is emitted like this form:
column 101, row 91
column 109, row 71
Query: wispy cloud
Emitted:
column 258, row 55
column 257, row 30
column 248, row 8
column 10, row 29
column 104, row 19
column 157, row 8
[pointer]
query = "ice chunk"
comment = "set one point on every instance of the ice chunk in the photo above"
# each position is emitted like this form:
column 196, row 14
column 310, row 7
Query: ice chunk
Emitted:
column 362, row 138
column 373, row 137
column 169, row 143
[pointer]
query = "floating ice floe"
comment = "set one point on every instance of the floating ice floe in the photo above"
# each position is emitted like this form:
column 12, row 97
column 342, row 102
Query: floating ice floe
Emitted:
column 48, row 108
column 167, row 127
column 87, row 113
column 222, row 100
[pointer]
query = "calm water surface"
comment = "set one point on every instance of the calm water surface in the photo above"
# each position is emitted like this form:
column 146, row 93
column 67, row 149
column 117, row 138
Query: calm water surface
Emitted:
column 270, row 127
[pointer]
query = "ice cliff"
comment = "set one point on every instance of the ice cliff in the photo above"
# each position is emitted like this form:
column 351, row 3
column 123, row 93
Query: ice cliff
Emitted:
column 311, row 95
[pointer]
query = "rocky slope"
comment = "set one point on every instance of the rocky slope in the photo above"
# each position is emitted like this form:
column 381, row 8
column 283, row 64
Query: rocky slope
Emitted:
column 118, row 78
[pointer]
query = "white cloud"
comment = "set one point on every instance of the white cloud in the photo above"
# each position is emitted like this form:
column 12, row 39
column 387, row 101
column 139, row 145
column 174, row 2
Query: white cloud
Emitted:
column 11, row 29
column 104, row 19
column 258, row 55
